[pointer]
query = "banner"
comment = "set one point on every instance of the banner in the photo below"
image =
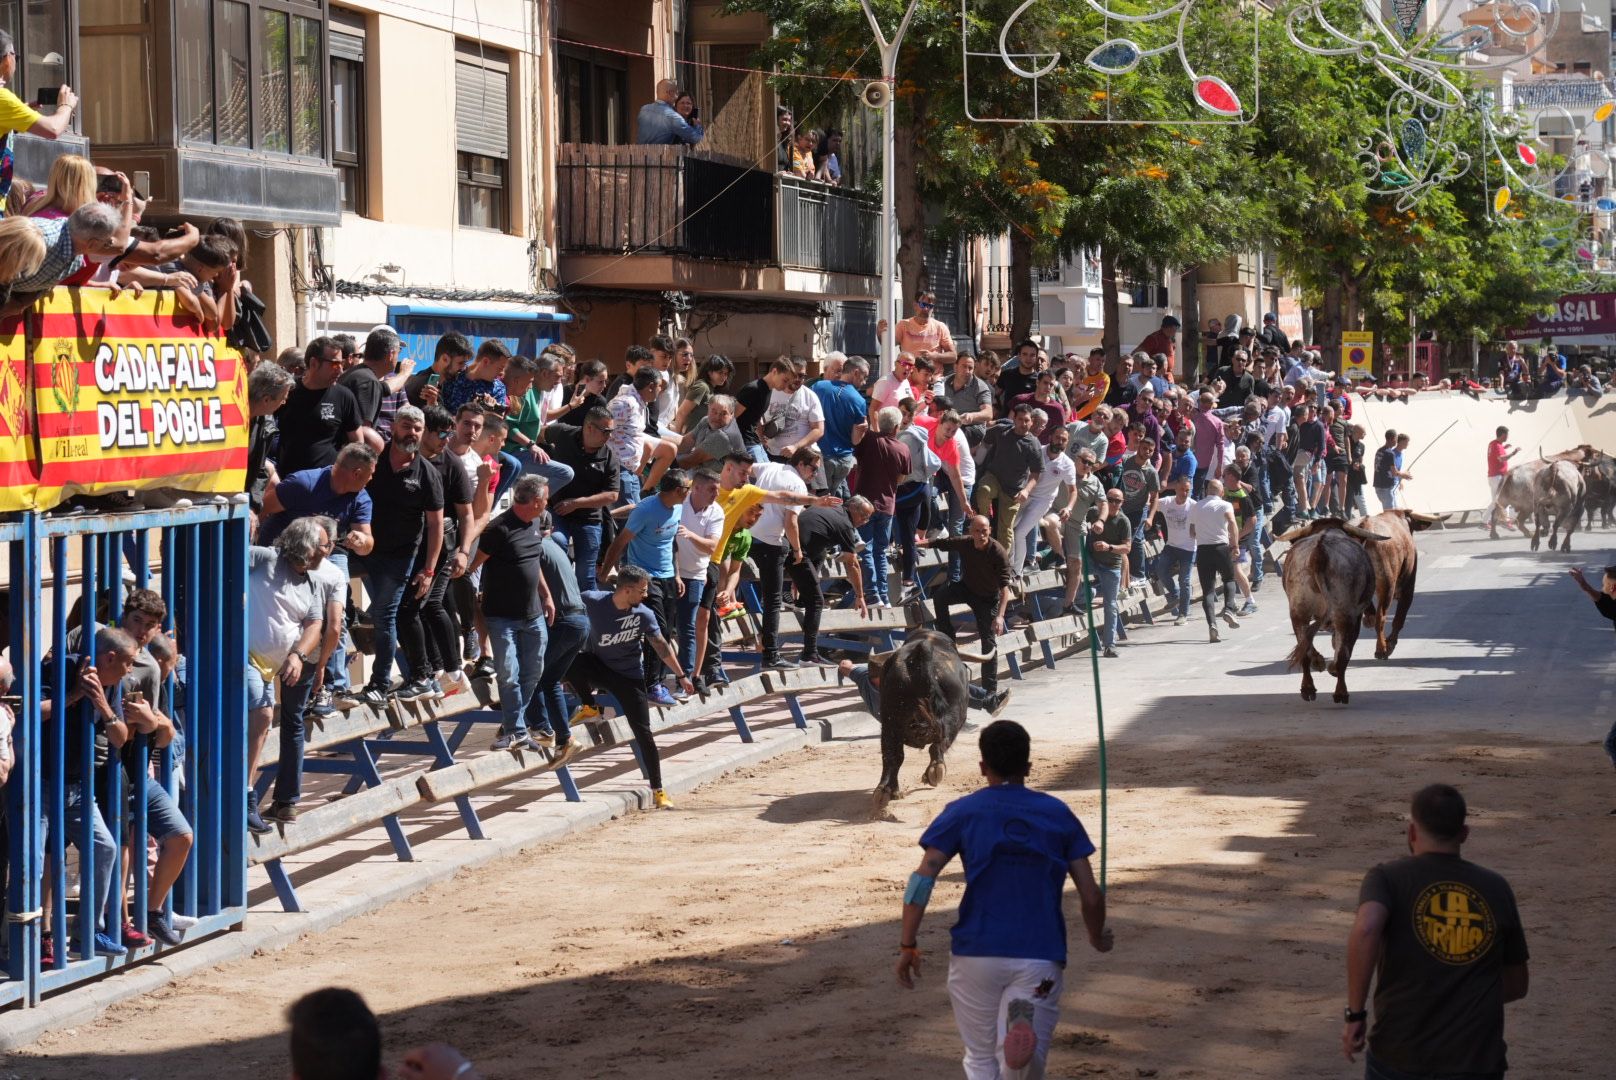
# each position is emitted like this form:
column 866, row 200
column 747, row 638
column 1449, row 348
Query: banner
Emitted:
column 17, row 454
column 1357, row 354
column 127, row 395
column 1575, row 315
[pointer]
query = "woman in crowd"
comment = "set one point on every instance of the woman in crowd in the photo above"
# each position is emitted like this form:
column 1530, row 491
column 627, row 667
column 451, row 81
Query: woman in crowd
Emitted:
column 711, row 378
column 71, row 185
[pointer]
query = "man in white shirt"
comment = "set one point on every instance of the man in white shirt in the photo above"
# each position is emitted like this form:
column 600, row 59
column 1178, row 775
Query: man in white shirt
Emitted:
column 797, row 418
column 1178, row 554
column 701, row 526
column 1278, row 416
column 774, row 540
column 1217, row 543
column 1058, row 469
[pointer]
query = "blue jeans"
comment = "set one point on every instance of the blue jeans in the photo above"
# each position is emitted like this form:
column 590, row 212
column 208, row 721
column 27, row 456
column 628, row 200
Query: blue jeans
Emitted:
column 628, row 485
column 1138, row 561
column 689, row 604
column 386, row 580
column 510, row 467
column 759, row 453
column 1109, row 579
column 1387, row 497
column 547, row 708
column 294, row 699
column 836, row 473
column 558, row 474
column 877, row 536
column 103, row 852
column 1198, row 484
column 1176, row 565
column 956, row 523
column 1252, row 545
column 336, row 668
column 583, row 543
column 518, row 646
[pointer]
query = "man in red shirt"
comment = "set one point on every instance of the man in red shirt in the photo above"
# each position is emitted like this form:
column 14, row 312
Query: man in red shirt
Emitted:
column 1161, row 341
column 1498, row 454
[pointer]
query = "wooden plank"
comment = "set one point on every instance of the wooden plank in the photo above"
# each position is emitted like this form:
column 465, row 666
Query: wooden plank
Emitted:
column 492, row 768
column 796, row 681
column 334, row 730
column 1058, row 627
column 323, row 823
column 739, row 692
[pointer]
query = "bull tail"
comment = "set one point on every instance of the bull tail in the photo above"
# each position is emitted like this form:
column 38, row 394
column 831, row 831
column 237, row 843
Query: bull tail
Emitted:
column 1299, row 656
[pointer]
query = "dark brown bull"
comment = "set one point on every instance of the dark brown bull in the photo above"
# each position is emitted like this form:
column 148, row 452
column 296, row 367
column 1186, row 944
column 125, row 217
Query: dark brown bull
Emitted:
column 924, row 693
column 1599, row 481
column 1396, row 560
column 1559, row 494
column 1329, row 582
column 1519, row 492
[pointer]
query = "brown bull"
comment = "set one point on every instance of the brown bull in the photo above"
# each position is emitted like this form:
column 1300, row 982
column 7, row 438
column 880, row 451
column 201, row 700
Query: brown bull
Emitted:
column 1329, row 582
column 1396, row 561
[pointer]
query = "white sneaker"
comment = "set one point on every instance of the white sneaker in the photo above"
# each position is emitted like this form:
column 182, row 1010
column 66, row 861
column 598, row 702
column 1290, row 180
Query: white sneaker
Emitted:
column 180, row 922
column 1212, row 632
column 1179, row 620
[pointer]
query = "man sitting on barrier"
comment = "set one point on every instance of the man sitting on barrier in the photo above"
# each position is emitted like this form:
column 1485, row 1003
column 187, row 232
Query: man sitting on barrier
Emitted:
column 985, row 586
column 618, row 622
column 87, row 680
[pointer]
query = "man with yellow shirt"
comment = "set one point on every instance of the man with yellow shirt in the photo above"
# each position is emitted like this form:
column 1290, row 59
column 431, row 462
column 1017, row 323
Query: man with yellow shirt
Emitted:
column 16, row 116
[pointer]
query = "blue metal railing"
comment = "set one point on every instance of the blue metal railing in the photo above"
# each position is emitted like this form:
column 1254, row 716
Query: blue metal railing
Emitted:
column 202, row 577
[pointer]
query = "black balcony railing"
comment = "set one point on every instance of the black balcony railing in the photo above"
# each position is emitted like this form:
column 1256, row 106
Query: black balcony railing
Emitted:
column 666, row 200
column 826, row 228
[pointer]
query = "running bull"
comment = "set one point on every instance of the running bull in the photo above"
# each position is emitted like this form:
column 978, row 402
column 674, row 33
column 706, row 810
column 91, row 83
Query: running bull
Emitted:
column 1396, row 560
column 924, row 693
column 1330, row 583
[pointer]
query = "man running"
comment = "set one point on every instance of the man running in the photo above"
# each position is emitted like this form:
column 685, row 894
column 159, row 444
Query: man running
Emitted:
column 1008, row 955
column 1604, row 599
column 1498, row 454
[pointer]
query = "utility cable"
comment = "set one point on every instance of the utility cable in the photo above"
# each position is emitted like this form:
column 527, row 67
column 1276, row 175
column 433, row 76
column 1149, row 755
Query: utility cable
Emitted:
column 1099, row 705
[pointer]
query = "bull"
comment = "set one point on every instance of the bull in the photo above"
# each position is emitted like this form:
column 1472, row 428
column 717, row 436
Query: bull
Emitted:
column 1599, row 484
column 1519, row 491
column 1559, row 494
column 1396, row 561
column 924, row 693
column 1329, row 582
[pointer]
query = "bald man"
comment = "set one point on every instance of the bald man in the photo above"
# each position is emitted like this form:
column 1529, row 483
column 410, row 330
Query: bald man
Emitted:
column 659, row 123
column 985, row 586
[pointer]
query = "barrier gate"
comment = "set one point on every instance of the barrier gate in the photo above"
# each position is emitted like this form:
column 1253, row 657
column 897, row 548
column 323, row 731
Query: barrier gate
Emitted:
column 196, row 557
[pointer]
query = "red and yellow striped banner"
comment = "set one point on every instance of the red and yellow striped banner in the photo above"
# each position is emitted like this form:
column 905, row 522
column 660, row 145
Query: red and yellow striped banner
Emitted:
column 106, row 394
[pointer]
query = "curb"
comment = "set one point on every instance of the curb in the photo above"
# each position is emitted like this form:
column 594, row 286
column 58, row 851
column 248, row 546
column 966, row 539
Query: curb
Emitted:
column 276, row 931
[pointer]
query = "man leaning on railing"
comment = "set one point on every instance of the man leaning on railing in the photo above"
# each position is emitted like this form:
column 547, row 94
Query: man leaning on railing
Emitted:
column 659, row 123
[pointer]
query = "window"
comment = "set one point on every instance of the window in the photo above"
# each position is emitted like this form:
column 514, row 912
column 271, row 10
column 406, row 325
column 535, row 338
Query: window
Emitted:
column 594, row 97
column 348, row 108
column 39, row 27
column 116, row 99
column 249, row 74
column 482, row 136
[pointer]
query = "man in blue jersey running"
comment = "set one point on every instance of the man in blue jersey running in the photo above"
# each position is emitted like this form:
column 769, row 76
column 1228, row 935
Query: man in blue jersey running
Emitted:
column 1009, row 945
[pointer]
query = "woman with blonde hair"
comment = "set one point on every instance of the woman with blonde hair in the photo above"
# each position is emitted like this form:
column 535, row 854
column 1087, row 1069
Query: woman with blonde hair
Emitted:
column 72, row 184
column 22, row 249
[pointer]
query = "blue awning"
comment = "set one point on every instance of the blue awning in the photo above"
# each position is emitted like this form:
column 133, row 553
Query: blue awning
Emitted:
column 449, row 311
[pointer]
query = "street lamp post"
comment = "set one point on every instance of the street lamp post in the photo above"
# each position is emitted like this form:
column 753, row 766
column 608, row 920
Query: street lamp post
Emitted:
column 889, row 212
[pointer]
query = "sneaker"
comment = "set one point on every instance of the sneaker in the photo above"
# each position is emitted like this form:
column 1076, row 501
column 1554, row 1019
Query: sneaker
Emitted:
column 910, row 593
column 105, row 946
column 1109, row 654
column 1249, row 608
column 418, row 689
column 583, row 714
column 676, row 688
column 997, row 702
column 659, row 696
column 813, row 659
column 661, row 800
column 1212, row 631
column 132, row 937
column 1179, row 620
column 564, row 753
column 454, row 682
column 779, row 663
column 283, row 812
column 731, row 610
column 718, row 677
column 181, row 923
column 483, row 669
column 469, row 649
column 370, row 697
column 545, row 739
column 1228, row 617
column 255, row 820
column 515, row 741
column 159, row 928
column 1020, row 1041
column 322, row 703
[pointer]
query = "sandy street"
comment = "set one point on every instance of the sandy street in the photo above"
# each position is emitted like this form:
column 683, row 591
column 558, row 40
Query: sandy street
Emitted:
column 751, row 933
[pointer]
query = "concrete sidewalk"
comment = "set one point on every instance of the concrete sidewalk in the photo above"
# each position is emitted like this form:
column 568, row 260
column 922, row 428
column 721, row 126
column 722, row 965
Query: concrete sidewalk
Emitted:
column 359, row 873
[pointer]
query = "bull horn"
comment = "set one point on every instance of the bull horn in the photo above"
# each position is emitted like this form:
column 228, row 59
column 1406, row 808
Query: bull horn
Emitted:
column 1430, row 519
column 1295, row 534
column 977, row 658
column 1360, row 534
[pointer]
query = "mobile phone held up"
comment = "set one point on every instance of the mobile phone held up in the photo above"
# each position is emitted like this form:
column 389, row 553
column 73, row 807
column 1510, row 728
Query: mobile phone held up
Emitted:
column 432, row 379
column 50, row 97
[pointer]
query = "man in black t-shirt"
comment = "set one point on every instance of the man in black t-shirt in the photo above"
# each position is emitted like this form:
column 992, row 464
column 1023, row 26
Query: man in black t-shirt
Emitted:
column 406, row 495
column 1444, row 942
column 1018, row 376
column 1604, row 599
column 752, row 403
column 378, row 375
column 1238, row 381
column 579, row 506
column 426, row 630
column 516, row 606
column 319, row 416
column 822, row 530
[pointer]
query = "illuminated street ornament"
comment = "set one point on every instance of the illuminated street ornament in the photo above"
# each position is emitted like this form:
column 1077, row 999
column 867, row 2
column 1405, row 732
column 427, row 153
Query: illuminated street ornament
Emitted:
column 1215, row 96
column 1605, row 205
column 1584, row 254
column 1604, row 112
column 1407, row 13
column 1411, row 154
column 1150, row 60
column 1413, row 139
column 1501, row 199
column 1116, row 57
column 1527, row 155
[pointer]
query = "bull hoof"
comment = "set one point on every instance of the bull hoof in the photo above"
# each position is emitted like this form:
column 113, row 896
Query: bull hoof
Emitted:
column 1534, row 545
column 1341, row 697
column 878, row 802
column 933, row 774
column 1309, row 695
column 1382, row 654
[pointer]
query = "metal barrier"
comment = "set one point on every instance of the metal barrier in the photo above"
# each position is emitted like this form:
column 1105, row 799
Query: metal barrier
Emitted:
column 202, row 576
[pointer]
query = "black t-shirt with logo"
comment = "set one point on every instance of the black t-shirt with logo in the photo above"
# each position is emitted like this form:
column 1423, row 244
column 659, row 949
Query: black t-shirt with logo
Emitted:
column 1439, row 993
column 593, row 471
column 400, row 501
column 314, row 425
column 515, row 564
column 367, row 390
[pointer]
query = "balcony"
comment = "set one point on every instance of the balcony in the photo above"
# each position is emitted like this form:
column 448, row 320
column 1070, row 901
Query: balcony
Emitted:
column 667, row 218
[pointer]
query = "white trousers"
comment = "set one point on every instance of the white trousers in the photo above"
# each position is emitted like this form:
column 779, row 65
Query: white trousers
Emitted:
column 1026, row 525
column 1493, row 509
column 982, row 988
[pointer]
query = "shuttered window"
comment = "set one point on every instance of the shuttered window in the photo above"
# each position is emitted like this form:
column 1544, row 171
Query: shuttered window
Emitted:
column 482, row 101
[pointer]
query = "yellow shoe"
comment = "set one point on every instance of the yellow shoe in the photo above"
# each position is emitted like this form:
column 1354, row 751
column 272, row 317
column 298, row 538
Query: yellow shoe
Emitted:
column 583, row 714
column 660, row 798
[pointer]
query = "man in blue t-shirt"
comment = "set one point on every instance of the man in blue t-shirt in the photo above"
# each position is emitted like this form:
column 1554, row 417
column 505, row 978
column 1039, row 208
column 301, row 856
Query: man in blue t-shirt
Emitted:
column 1009, row 946
column 619, row 625
column 845, row 409
column 336, row 491
column 646, row 541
